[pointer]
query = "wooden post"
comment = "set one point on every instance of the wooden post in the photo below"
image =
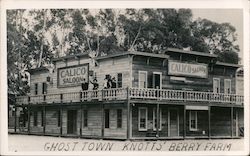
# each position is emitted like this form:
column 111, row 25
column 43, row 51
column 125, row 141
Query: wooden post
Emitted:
column 232, row 113
column 29, row 118
column 184, row 122
column 128, row 115
column 44, row 120
column 102, row 119
column 15, row 118
column 61, row 123
column 157, row 120
column 209, row 122
column 81, row 121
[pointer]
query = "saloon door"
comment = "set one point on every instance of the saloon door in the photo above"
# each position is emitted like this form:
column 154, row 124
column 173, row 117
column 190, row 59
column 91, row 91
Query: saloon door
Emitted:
column 173, row 122
column 71, row 121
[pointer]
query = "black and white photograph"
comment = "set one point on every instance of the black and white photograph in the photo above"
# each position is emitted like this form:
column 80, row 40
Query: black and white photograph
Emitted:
column 85, row 77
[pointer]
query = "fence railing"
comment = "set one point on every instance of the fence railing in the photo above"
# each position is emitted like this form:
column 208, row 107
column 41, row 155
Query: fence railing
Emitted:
column 132, row 93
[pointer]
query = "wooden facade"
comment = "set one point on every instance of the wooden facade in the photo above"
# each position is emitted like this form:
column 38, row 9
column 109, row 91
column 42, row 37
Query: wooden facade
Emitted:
column 174, row 95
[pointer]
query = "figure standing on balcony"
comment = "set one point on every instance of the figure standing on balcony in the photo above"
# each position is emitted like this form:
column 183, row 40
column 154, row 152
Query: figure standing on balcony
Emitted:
column 113, row 82
column 107, row 82
column 95, row 84
column 85, row 85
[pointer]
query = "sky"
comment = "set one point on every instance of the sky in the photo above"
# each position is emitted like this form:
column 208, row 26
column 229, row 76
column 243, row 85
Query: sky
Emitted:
column 232, row 16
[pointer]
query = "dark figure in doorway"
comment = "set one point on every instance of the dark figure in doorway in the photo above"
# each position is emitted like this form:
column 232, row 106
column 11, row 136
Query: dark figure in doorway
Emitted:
column 85, row 85
column 108, row 82
column 95, row 84
column 113, row 83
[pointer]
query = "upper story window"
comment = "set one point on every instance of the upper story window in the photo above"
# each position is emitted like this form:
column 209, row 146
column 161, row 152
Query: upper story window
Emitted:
column 227, row 86
column 216, row 85
column 143, row 81
column 44, row 91
column 36, row 88
column 119, row 80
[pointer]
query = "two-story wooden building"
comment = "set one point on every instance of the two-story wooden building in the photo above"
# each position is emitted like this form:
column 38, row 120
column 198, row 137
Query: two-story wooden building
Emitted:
column 135, row 95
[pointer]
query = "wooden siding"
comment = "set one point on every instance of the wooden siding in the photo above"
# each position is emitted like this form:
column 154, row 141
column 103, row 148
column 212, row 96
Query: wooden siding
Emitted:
column 202, row 124
column 164, row 131
column 111, row 66
column 197, row 84
column 220, row 121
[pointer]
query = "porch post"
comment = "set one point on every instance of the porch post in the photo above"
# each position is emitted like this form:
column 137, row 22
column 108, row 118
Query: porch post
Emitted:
column 184, row 122
column 232, row 121
column 15, row 117
column 29, row 118
column 158, row 121
column 61, row 118
column 102, row 119
column 128, row 115
column 209, row 122
column 81, row 121
column 44, row 119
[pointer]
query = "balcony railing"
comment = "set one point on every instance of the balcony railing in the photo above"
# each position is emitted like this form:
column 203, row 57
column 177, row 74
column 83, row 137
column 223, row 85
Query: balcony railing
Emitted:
column 132, row 93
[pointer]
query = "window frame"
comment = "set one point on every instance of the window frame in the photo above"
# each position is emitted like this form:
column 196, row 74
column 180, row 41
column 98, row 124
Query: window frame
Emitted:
column 36, row 88
column 44, row 88
column 146, row 118
column 119, row 82
column 196, row 120
column 146, row 80
column 157, row 73
column 155, row 117
column 214, row 79
column 230, row 86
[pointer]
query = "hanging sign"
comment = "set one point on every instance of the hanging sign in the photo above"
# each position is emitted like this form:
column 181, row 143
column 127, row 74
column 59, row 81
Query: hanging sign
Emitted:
column 187, row 69
column 73, row 75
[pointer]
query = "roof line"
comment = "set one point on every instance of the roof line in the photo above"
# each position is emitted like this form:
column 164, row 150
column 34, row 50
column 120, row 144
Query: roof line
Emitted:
column 190, row 52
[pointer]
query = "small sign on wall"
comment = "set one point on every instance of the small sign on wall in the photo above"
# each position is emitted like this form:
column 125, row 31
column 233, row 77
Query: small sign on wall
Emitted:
column 187, row 69
column 73, row 75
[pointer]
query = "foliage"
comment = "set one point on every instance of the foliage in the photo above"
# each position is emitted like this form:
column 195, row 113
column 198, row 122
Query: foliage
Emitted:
column 34, row 37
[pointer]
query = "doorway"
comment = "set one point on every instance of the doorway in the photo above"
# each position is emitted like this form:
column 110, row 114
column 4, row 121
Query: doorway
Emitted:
column 173, row 122
column 71, row 120
column 157, row 80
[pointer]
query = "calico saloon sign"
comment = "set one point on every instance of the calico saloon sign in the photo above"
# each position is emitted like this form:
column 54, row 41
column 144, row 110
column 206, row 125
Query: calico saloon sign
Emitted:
column 187, row 69
column 73, row 75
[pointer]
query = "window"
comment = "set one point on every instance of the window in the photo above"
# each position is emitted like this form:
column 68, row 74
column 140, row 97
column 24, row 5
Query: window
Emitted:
column 119, row 80
column 227, row 86
column 106, row 118
column 85, row 118
column 35, row 118
column 216, row 85
column 143, row 79
column 36, row 88
column 44, row 91
column 119, row 118
column 155, row 119
column 193, row 120
column 142, row 116
column 59, row 118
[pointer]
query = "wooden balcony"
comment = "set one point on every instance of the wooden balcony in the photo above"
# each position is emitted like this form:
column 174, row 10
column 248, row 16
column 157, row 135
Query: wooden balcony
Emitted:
column 132, row 93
